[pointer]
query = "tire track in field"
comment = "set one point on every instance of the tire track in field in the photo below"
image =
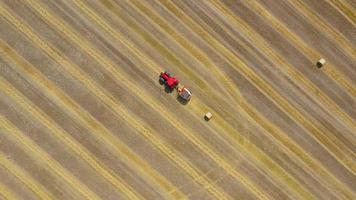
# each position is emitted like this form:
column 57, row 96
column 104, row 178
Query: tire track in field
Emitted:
column 6, row 193
column 344, row 9
column 25, row 178
column 37, row 154
column 267, row 90
column 109, row 66
column 306, row 50
column 296, row 76
column 109, row 100
column 258, row 154
column 215, row 181
column 323, row 27
column 86, row 120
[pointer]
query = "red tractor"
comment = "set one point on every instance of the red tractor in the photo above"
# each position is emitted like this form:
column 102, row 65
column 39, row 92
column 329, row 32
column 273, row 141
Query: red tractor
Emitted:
column 171, row 83
column 168, row 80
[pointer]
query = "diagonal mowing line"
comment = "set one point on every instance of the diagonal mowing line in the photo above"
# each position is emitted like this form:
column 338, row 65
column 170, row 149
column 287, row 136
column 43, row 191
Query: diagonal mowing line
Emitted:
column 257, row 154
column 6, row 193
column 194, row 180
column 268, row 91
column 306, row 50
column 86, row 120
column 344, row 9
column 216, row 181
column 38, row 154
column 11, row 92
column 25, row 178
column 110, row 101
column 109, row 66
column 296, row 76
column 323, row 27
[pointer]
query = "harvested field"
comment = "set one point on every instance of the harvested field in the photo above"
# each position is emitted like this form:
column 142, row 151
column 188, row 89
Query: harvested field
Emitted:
column 83, row 116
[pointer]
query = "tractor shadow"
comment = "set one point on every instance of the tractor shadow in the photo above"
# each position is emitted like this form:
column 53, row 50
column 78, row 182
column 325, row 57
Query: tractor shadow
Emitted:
column 168, row 90
column 181, row 101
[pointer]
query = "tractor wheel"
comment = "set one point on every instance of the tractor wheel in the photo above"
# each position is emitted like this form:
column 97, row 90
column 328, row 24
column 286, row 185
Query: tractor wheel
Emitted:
column 161, row 80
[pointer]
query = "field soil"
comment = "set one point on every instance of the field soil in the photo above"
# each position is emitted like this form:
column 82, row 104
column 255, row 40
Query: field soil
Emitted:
column 83, row 115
